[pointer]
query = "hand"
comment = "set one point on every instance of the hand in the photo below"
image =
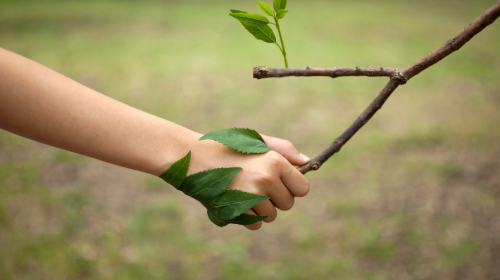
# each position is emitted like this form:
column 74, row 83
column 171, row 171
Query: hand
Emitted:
column 271, row 174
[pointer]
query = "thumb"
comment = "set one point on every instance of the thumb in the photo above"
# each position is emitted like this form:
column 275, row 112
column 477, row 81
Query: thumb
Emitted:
column 286, row 149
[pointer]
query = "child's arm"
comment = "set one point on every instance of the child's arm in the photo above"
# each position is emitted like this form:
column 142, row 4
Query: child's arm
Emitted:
column 40, row 104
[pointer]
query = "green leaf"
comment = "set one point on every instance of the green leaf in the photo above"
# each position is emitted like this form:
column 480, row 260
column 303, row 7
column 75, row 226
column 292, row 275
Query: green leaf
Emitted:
column 265, row 8
column 246, row 220
column 216, row 220
column 207, row 185
column 251, row 19
column 263, row 33
column 243, row 140
column 281, row 14
column 233, row 203
column 238, row 12
column 176, row 174
column 242, row 219
column 279, row 5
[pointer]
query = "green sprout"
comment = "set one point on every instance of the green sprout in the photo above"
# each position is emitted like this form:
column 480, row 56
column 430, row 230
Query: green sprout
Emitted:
column 258, row 26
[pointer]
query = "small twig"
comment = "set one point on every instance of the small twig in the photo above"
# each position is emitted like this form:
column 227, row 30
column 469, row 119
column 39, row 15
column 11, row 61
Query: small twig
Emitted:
column 397, row 78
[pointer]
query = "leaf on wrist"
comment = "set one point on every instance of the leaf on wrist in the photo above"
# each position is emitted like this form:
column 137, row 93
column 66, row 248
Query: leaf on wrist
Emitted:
column 265, row 8
column 281, row 14
column 243, row 140
column 254, row 20
column 233, row 203
column 206, row 186
column 176, row 174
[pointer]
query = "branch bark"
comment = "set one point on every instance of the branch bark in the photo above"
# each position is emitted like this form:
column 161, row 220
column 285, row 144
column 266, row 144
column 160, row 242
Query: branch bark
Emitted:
column 397, row 77
column 264, row 72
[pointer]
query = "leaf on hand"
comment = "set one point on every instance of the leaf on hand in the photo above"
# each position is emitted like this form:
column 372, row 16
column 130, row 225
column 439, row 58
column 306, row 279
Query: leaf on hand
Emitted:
column 246, row 220
column 279, row 5
column 281, row 14
column 242, row 219
column 243, row 140
column 217, row 221
column 265, row 8
column 207, row 185
column 176, row 174
column 233, row 203
column 251, row 19
column 263, row 33
column 210, row 186
column 237, row 11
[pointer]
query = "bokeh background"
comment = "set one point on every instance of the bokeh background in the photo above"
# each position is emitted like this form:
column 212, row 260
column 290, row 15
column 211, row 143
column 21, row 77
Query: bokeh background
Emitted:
column 414, row 195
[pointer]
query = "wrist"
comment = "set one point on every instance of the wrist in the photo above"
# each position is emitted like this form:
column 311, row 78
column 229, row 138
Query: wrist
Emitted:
column 174, row 144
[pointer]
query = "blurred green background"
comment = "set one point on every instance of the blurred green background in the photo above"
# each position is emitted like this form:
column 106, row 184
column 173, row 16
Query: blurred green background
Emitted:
column 414, row 195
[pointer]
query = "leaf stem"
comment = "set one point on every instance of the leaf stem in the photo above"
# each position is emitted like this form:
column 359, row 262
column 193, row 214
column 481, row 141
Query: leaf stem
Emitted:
column 283, row 51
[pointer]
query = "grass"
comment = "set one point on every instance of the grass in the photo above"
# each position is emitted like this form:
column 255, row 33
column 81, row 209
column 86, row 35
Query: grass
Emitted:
column 414, row 195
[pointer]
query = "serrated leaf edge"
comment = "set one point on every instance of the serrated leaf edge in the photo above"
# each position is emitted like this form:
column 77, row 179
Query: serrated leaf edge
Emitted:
column 236, row 169
column 258, row 137
column 212, row 217
column 255, row 197
column 259, row 219
column 241, row 151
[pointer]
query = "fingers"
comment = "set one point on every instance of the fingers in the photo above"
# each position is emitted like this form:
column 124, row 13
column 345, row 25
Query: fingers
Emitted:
column 294, row 181
column 266, row 208
column 269, row 183
column 255, row 226
column 272, row 175
column 286, row 149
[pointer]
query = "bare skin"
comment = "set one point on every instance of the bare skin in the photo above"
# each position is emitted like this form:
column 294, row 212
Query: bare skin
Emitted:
column 45, row 106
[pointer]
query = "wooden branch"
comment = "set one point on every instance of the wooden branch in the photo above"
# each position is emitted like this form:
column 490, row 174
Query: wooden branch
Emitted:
column 264, row 72
column 367, row 114
column 397, row 77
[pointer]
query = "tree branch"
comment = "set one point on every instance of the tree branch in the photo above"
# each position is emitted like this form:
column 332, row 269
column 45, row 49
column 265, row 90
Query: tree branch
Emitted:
column 264, row 72
column 455, row 43
column 397, row 77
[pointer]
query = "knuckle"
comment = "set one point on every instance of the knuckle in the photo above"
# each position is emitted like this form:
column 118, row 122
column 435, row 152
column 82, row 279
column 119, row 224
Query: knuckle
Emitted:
column 264, row 179
column 274, row 158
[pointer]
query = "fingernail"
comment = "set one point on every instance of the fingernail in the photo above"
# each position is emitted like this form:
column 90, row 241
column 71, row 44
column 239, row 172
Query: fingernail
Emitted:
column 304, row 157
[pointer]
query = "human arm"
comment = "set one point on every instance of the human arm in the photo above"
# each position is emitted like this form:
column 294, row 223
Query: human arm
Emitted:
column 40, row 104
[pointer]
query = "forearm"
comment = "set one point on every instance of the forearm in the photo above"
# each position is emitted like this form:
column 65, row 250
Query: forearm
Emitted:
column 40, row 104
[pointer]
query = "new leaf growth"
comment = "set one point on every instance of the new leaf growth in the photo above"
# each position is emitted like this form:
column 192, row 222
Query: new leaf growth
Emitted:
column 258, row 25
